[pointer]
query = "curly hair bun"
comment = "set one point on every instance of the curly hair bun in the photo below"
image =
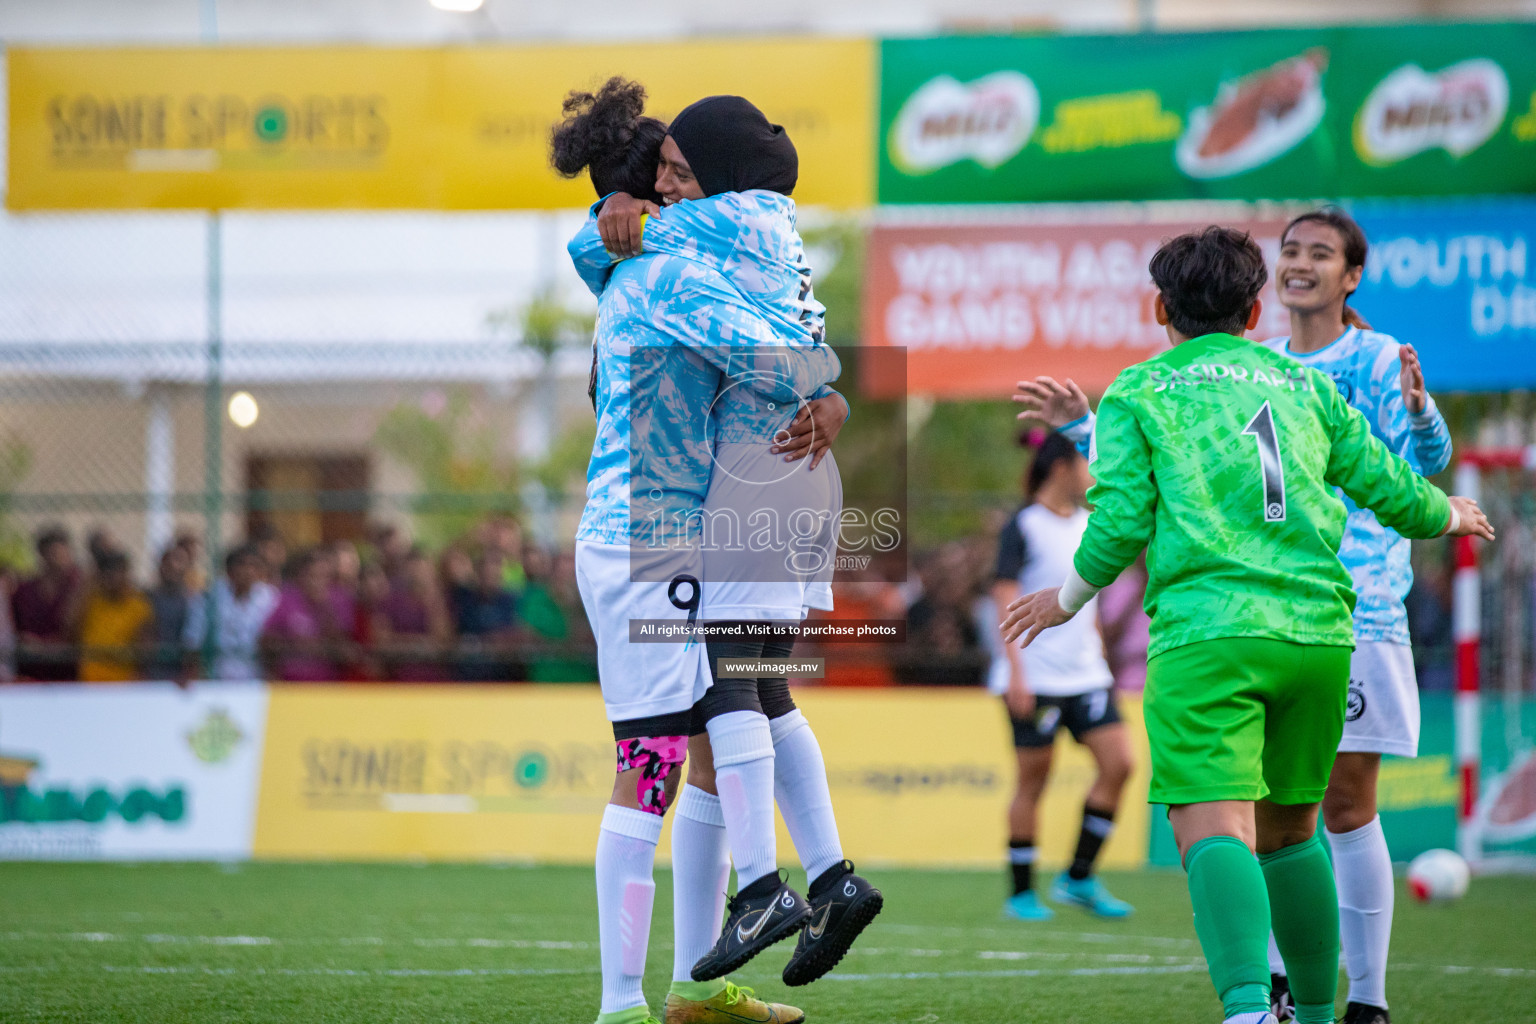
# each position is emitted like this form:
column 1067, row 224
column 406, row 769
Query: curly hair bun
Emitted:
column 596, row 125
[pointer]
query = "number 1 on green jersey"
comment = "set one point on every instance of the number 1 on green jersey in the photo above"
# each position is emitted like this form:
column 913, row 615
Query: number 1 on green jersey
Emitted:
column 1262, row 429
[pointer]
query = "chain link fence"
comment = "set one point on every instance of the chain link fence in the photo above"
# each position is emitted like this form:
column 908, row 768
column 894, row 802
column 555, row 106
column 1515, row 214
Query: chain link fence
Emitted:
column 352, row 382
column 333, row 382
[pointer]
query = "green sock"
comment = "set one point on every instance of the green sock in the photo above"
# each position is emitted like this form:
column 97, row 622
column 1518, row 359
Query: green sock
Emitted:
column 633, row 1015
column 697, row 991
column 1306, row 924
column 1231, row 906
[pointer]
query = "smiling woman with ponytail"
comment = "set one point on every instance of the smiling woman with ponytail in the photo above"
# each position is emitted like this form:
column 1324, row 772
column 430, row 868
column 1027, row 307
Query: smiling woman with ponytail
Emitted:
column 1322, row 261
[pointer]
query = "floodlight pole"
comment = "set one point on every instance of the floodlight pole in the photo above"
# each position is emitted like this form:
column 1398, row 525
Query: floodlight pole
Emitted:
column 213, row 399
column 159, row 471
column 213, row 432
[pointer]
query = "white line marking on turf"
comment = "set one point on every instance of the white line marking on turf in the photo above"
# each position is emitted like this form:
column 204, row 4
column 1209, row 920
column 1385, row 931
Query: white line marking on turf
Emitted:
column 1146, row 963
column 505, row 943
column 264, row 940
column 470, row 972
column 1021, row 972
column 1497, row 972
column 206, row 940
column 1125, row 958
column 1014, row 933
column 344, row 972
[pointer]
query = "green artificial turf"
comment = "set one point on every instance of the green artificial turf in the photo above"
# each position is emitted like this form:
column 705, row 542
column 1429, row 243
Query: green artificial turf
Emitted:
column 380, row 943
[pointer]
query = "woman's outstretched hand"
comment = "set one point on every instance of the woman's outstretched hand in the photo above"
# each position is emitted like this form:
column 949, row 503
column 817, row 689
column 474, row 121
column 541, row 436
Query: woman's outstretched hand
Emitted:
column 1032, row 614
column 1056, row 403
column 1415, row 394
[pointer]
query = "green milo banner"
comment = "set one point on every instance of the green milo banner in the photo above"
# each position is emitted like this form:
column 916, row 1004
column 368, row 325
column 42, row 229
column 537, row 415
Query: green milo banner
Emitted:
column 1279, row 114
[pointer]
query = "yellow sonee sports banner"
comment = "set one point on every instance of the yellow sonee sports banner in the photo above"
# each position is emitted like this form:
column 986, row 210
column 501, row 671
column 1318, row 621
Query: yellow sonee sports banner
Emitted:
column 918, row 777
column 354, row 127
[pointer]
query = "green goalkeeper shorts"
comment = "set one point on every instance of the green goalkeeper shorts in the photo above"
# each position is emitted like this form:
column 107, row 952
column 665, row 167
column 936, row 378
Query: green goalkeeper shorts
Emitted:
column 1245, row 718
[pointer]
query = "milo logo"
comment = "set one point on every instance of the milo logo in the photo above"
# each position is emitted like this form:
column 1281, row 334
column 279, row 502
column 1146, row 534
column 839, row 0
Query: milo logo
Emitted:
column 1456, row 109
column 946, row 121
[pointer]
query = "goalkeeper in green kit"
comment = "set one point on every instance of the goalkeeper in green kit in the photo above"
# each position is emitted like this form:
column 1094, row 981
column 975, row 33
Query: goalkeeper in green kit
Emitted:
column 1220, row 458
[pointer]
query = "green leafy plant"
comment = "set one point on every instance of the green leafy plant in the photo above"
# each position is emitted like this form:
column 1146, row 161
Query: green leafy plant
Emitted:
column 462, row 470
column 545, row 325
column 460, row 474
column 15, row 464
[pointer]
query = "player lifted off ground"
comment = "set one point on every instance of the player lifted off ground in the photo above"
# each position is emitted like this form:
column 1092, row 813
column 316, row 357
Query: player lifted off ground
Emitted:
column 668, row 328
column 1063, row 680
column 1220, row 458
column 724, row 180
column 1322, row 255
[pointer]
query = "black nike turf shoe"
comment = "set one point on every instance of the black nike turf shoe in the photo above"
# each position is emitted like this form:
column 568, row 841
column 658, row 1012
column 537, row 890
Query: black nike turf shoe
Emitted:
column 1280, row 1002
column 842, row 904
column 758, row 916
column 1364, row 1013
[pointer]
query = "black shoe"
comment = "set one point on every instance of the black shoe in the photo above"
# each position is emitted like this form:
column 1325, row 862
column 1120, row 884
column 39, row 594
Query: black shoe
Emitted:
column 841, row 906
column 1364, row 1013
column 763, row 913
column 1280, row 1002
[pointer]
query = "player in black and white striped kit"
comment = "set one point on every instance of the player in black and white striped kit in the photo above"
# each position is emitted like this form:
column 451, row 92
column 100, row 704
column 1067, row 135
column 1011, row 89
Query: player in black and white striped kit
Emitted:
column 1060, row 680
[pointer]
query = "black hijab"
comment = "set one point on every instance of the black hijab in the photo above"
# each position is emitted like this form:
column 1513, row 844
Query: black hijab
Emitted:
column 732, row 147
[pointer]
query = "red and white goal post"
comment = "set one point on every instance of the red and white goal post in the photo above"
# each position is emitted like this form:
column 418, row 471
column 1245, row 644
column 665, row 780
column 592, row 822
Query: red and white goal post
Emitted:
column 1499, row 809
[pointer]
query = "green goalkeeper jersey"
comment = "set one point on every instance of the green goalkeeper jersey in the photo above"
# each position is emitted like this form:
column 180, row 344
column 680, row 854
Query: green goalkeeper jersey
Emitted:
column 1220, row 458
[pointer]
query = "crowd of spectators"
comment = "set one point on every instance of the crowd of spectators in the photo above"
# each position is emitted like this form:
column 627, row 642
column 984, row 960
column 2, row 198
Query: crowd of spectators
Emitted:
column 952, row 638
column 490, row 607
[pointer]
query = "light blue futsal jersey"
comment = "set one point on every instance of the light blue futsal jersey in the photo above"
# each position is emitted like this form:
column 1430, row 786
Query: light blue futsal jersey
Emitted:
column 680, row 328
column 1366, row 368
column 750, row 238
column 789, row 510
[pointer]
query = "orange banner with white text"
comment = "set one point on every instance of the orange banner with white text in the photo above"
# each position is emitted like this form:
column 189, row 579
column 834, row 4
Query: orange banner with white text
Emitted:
column 979, row 306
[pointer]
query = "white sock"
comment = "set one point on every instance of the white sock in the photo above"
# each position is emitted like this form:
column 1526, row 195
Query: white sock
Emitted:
column 700, row 870
column 1254, row 1017
column 626, row 855
column 744, row 759
column 1276, row 964
column 800, row 786
column 1362, row 867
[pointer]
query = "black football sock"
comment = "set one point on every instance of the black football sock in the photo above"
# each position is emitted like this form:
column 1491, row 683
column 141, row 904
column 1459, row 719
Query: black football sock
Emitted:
column 1097, row 826
column 1021, row 858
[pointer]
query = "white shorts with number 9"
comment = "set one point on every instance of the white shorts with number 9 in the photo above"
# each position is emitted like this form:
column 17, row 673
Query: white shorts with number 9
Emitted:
column 640, row 680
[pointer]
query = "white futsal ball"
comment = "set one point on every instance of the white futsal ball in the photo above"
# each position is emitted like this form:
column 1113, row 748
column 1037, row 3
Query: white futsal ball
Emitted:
column 1438, row 875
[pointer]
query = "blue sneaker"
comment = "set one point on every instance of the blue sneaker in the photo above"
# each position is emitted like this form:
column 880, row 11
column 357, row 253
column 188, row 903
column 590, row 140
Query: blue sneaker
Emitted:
column 1026, row 906
column 1090, row 894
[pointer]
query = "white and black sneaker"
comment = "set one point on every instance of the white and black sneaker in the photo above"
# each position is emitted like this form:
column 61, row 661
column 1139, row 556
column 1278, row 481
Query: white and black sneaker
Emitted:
column 1364, row 1013
column 1280, row 1002
column 763, row 913
column 842, row 904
